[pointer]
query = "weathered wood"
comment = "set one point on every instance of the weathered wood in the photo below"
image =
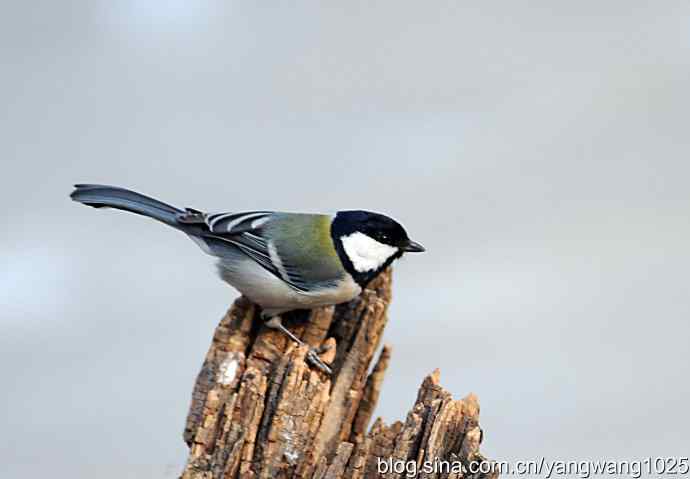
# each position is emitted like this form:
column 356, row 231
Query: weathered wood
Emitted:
column 259, row 411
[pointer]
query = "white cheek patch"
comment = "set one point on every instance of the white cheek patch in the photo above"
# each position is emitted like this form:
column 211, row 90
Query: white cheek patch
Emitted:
column 365, row 252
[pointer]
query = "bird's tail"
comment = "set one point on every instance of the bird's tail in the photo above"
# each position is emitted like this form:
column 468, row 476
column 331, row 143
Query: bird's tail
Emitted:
column 102, row 196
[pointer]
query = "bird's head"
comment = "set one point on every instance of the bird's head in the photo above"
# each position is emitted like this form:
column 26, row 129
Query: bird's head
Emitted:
column 370, row 241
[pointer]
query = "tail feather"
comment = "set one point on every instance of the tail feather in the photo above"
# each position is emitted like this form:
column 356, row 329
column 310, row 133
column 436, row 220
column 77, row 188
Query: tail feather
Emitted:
column 103, row 196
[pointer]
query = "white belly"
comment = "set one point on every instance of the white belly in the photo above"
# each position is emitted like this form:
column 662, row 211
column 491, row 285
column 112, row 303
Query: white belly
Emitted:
column 274, row 295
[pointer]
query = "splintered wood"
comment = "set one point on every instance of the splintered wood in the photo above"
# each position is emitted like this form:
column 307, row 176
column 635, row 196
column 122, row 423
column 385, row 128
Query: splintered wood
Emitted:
column 259, row 411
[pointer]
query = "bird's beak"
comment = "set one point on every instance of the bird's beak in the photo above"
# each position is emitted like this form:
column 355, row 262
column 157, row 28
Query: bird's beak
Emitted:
column 412, row 247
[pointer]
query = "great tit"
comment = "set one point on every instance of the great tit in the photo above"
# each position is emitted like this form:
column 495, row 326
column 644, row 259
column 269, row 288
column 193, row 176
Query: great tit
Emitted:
column 280, row 261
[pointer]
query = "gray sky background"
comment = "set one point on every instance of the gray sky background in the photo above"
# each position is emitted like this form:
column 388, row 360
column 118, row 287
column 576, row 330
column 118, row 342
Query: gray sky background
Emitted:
column 538, row 150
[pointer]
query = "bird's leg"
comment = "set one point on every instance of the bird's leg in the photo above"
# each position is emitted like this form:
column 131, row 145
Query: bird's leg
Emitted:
column 312, row 356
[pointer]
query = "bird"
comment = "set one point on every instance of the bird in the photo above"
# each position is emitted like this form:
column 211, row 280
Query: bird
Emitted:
column 280, row 261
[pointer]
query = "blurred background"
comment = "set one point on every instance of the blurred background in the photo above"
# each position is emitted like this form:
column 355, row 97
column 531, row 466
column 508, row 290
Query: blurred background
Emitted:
column 539, row 151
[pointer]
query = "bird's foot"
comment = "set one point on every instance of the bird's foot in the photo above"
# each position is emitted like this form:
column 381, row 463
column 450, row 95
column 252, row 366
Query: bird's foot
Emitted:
column 314, row 359
column 313, row 353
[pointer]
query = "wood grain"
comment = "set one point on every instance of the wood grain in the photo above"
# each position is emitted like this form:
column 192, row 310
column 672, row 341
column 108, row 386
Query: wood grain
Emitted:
column 259, row 411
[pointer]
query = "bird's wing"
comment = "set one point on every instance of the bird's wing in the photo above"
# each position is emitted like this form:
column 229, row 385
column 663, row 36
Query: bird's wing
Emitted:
column 249, row 232
column 237, row 223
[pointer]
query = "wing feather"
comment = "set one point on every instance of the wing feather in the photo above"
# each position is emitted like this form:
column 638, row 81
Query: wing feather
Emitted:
column 236, row 223
column 246, row 232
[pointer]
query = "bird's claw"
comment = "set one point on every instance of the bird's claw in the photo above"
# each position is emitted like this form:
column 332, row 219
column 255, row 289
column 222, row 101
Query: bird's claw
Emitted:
column 314, row 359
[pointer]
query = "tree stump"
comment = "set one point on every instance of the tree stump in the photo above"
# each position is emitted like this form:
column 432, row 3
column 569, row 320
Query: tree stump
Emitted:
column 259, row 411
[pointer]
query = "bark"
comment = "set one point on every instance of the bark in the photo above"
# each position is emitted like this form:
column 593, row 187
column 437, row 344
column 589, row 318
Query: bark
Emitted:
column 259, row 411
